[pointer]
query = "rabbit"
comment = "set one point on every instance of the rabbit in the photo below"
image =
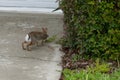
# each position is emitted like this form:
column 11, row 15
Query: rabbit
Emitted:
column 33, row 38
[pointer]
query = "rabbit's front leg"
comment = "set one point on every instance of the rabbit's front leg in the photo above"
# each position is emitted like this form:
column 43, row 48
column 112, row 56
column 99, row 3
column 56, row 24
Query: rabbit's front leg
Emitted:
column 38, row 43
column 23, row 45
column 42, row 42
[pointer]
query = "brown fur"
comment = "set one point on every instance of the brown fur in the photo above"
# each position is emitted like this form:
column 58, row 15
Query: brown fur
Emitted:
column 35, row 37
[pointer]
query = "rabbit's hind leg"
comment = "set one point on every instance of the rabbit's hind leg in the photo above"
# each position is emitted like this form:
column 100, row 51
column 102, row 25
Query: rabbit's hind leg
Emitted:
column 28, row 46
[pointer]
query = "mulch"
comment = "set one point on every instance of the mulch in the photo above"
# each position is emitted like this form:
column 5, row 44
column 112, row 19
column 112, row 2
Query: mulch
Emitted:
column 80, row 64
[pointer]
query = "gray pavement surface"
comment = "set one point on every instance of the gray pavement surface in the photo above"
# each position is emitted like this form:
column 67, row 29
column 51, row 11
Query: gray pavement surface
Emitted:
column 43, row 62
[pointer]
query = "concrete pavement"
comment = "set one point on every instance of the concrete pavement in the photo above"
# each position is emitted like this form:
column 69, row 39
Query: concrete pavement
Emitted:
column 43, row 62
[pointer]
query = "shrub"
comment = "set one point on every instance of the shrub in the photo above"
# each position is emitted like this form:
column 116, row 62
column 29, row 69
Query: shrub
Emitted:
column 92, row 27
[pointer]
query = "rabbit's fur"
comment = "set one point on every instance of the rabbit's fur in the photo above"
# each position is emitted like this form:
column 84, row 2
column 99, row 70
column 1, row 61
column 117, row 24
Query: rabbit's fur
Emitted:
column 34, row 37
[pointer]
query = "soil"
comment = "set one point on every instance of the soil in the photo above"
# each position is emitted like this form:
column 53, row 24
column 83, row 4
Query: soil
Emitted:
column 68, row 63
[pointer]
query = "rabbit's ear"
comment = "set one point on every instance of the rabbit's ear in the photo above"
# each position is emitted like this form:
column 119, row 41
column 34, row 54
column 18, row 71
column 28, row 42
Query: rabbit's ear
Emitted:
column 44, row 30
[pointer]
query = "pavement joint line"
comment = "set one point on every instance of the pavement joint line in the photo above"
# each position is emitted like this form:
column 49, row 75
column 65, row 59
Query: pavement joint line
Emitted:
column 29, row 58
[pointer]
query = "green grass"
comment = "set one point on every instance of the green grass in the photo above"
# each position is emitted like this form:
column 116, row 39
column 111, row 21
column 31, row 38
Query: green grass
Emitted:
column 97, row 71
column 51, row 39
column 86, row 75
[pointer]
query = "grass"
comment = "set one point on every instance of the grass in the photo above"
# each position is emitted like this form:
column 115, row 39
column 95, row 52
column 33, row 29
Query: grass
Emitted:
column 86, row 75
column 51, row 39
column 100, row 70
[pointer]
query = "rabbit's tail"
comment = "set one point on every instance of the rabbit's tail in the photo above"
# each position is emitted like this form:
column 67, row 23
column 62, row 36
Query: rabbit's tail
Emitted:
column 27, row 38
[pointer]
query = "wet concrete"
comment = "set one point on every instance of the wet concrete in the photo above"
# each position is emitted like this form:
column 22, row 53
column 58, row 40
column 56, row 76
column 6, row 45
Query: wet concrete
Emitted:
column 43, row 62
